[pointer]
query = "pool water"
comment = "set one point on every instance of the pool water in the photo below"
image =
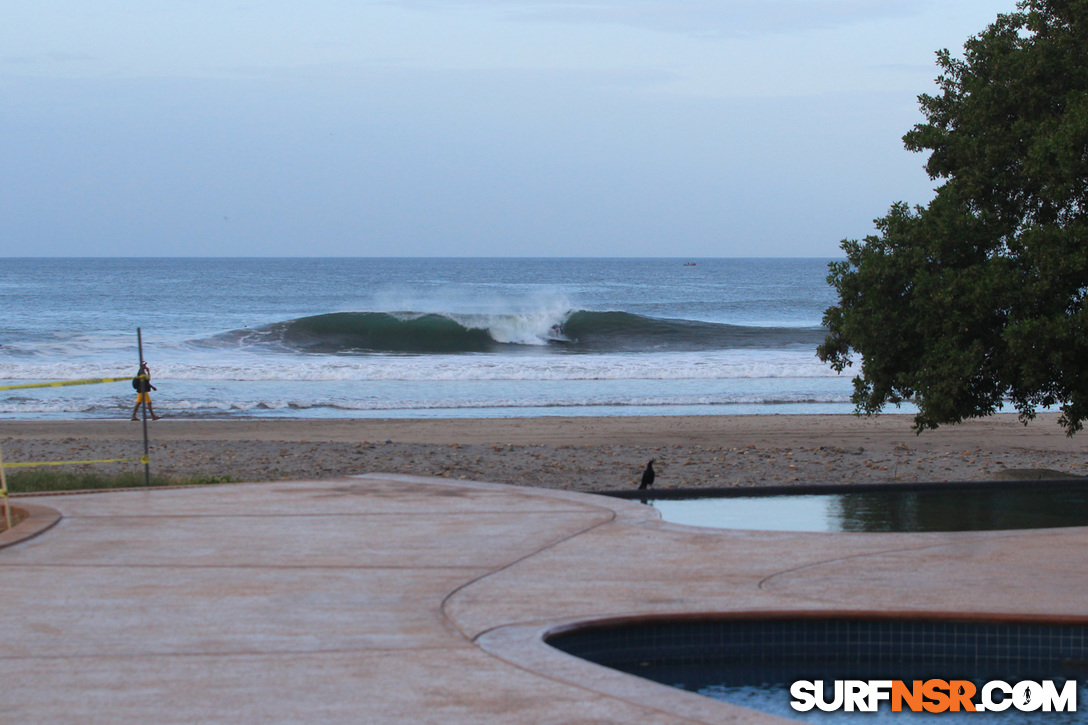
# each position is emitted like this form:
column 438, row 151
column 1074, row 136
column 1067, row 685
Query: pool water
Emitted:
column 752, row 663
column 898, row 508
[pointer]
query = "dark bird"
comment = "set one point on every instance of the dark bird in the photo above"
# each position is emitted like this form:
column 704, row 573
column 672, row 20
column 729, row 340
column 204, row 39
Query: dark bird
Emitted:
column 648, row 475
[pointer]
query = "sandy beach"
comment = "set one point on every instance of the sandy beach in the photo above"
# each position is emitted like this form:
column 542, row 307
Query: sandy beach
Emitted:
column 584, row 454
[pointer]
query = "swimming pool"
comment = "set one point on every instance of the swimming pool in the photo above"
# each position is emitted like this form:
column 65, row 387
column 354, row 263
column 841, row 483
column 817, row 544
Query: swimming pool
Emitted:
column 975, row 506
column 752, row 662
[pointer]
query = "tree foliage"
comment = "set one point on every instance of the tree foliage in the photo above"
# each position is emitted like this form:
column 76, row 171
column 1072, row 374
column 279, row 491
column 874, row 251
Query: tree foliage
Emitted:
column 982, row 295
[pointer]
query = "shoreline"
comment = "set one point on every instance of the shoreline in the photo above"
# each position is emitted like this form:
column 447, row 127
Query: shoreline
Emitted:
column 575, row 453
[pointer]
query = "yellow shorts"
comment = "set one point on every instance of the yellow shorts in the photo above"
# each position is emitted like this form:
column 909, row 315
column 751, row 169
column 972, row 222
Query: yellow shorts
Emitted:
column 143, row 398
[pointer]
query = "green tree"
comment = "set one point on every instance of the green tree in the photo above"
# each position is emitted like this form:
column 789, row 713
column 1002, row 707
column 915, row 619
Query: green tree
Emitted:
column 982, row 295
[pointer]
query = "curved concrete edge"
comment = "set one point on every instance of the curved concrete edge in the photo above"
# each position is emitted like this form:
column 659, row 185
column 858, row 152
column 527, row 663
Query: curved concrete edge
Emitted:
column 770, row 615
column 627, row 512
column 39, row 519
column 523, row 646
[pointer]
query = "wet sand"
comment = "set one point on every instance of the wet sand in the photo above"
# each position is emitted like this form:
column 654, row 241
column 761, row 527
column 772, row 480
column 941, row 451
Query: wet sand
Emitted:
column 583, row 454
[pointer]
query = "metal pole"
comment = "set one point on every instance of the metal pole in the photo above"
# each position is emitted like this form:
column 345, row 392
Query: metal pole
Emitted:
column 4, row 492
column 147, row 460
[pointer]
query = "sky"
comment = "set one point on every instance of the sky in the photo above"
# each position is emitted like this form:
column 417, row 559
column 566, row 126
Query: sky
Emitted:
column 682, row 128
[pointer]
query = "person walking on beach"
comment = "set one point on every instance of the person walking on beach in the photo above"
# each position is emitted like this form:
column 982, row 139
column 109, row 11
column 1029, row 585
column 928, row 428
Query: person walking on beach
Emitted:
column 142, row 383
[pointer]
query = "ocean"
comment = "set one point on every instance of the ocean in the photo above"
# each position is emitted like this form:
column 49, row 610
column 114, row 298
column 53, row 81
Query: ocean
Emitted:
column 414, row 338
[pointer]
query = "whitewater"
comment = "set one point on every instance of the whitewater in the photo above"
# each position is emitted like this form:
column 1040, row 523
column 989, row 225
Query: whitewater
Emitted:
column 419, row 337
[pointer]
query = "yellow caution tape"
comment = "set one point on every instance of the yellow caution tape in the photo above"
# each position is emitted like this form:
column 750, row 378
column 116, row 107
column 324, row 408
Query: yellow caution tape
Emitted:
column 142, row 459
column 63, row 383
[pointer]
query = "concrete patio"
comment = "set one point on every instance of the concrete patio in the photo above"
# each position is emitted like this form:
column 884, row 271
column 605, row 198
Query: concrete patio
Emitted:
column 397, row 599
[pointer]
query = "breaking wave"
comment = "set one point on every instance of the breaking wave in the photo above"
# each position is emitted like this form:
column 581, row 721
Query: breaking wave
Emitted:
column 578, row 331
